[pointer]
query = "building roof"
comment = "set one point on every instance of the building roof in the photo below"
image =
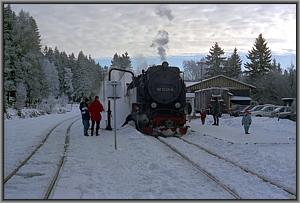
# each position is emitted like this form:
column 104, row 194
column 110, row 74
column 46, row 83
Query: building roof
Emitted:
column 218, row 76
column 187, row 84
column 213, row 88
column 240, row 98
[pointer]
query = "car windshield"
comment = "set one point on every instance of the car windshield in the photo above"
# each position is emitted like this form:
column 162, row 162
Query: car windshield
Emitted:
column 267, row 108
column 279, row 109
column 257, row 108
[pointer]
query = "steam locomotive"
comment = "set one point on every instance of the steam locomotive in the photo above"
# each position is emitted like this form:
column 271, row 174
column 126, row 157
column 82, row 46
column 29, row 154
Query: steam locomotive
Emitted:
column 160, row 101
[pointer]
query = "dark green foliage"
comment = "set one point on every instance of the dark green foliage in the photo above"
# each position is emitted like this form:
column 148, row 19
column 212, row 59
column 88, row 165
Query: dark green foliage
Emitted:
column 86, row 76
column 260, row 59
column 121, row 61
column 215, row 60
column 271, row 83
column 10, row 55
column 233, row 65
column 275, row 85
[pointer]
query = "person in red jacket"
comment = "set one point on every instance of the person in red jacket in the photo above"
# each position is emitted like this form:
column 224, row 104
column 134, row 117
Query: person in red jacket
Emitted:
column 95, row 110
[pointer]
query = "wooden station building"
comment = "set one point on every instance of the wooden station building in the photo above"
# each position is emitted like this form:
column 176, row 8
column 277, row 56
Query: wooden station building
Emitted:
column 230, row 91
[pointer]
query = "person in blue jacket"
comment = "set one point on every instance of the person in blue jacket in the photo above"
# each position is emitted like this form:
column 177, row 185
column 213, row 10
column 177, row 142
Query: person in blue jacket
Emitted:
column 246, row 121
column 85, row 114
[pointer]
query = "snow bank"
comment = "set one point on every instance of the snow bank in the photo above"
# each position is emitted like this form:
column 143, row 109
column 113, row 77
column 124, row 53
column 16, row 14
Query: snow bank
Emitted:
column 32, row 113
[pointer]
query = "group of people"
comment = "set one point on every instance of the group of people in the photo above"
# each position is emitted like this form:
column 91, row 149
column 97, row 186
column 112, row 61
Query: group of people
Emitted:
column 91, row 111
column 216, row 111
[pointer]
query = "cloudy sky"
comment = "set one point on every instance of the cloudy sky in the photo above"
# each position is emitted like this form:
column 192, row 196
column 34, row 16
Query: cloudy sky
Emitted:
column 167, row 29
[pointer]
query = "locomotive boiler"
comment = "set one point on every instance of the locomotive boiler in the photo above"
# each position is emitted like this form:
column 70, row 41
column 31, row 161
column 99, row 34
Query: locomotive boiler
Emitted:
column 160, row 101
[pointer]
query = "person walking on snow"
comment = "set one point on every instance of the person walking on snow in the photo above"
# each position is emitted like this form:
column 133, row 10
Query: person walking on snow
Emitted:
column 95, row 109
column 85, row 115
column 203, row 116
column 246, row 121
column 216, row 111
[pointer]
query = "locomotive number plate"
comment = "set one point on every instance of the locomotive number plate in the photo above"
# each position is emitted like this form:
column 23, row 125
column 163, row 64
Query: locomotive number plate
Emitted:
column 164, row 89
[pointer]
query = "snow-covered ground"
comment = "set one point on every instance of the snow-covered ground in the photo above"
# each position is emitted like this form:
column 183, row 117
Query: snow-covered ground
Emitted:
column 144, row 168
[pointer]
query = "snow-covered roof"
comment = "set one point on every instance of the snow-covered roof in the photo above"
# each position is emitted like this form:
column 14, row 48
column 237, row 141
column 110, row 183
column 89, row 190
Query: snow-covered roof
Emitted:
column 288, row 98
column 240, row 98
column 213, row 88
column 188, row 84
column 224, row 77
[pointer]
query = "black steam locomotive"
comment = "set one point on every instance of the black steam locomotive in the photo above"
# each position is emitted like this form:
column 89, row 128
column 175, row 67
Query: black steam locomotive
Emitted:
column 160, row 101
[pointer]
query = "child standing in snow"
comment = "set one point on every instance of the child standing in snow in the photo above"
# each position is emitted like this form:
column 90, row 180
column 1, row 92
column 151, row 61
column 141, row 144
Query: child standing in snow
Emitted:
column 246, row 121
column 203, row 116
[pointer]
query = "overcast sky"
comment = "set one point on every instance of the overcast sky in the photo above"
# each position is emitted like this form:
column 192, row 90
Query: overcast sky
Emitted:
column 173, row 29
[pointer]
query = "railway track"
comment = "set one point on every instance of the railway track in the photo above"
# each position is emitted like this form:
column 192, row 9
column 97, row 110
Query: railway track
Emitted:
column 61, row 163
column 245, row 169
column 246, row 143
column 226, row 187
column 25, row 162
column 202, row 170
column 22, row 163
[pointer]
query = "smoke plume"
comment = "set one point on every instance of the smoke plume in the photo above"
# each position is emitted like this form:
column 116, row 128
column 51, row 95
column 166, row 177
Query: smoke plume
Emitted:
column 162, row 37
column 161, row 40
column 164, row 11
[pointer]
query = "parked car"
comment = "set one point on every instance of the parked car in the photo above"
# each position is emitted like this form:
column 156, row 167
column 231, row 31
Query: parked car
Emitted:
column 281, row 109
column 236, row 110
column 256, row 108
column 245, row 109
column 265, row 111
column 287, row 115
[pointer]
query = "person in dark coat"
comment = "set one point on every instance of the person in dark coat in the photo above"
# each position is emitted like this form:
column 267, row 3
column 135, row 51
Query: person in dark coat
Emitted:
column 95, row 109
column 246, row 121
column 216, row 111
column 85, row 115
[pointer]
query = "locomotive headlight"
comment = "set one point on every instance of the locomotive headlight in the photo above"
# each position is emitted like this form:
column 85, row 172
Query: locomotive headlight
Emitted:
column 177, row 105
column 153, row 105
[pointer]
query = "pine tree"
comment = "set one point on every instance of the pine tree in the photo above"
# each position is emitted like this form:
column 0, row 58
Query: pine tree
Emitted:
column 68, row 78
column 122, row 62
column 292, row 78
column 191, row 70
column 276, row 66
column 10, row 55
column 126, row 61
column 116, row 61
column 260, row 58
column 215, row 60
column 51, row 76
column 233, row 65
